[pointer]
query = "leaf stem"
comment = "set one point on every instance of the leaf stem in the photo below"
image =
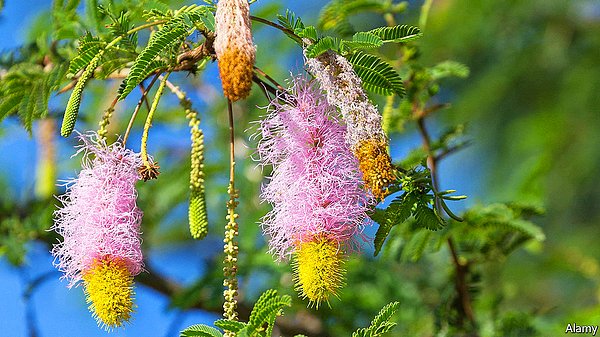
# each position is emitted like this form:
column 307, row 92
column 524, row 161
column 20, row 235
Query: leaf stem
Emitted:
column 265, row 86
column 269, row 78
column 278, row 26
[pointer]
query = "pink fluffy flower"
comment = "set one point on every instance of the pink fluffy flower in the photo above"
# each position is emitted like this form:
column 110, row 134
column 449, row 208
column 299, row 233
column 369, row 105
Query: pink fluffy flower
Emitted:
column 316, row 187
column 99, row 216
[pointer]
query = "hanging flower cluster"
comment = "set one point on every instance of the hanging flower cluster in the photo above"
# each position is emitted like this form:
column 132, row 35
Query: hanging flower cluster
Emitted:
column 365, row 134
column 234, row 47
column 319, row 203
column 100, row 225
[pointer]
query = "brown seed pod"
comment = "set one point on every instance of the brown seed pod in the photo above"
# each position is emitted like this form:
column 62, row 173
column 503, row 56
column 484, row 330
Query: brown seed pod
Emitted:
column 235, row 50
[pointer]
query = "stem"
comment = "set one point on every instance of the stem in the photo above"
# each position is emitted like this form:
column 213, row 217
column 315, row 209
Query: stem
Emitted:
column 265, row 86
column 144, row 26
column 462, row 269
column 278, row 26
column 231, row 232
column 231, row 144
column 265, row 75
column 148, row 123
column 143, row 98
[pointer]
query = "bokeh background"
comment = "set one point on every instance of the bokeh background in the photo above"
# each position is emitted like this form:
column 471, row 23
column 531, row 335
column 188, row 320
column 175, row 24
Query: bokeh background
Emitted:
column 532, row 109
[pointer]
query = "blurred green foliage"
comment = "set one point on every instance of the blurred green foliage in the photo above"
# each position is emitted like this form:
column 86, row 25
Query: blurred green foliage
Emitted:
column 533, row 105
column 532, row 108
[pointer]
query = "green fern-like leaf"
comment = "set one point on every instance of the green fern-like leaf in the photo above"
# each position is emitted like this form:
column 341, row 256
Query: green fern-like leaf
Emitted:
column 196, row 15
column 271, row 323
column 200, row 330
column 401, row 33
column 293, row 24
column 323, row 45
column 377, row 75
column 158, row 14
column 89, row 47
column 502, row 216
column 207, row 20
column 381, row 323
column 335, row 14
column 416, row 245
column 449, row 69
column 168, row 38
column 72, row 109
column 31, row 103
column 396, row 213
column 382, row 233
column 165, row 39
column 10, row 103
column 268, row 313
column 290, row 21
column 528, row 228
column 156, row 65
column 262, row 301
column 363, row 40
column 243, row 333
column 267, row 307
column 385, row 314
column 25, row 89
column 401, row 208
column 119, row 27
column 309, row 32
column 229, row 325
column 427, row 218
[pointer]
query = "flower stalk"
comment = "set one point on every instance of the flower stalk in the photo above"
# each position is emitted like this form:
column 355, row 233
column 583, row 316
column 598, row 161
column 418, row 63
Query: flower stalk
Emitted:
column 230, row 247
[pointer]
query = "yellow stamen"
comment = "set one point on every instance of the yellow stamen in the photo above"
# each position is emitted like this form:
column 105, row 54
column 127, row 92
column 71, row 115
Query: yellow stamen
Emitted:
column 376, row 166
column 318, row 270
column 109, row 291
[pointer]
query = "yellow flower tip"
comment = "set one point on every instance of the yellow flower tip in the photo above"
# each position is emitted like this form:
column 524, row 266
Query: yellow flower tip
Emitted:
column 109, row 291
column 376, row 166
column 318, row 270
column 236, row 70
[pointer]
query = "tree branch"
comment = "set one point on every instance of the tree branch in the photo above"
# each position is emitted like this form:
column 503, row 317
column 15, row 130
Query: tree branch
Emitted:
column 462, row 269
